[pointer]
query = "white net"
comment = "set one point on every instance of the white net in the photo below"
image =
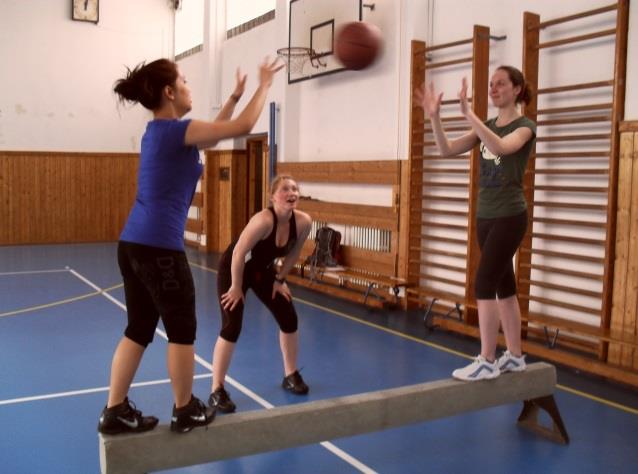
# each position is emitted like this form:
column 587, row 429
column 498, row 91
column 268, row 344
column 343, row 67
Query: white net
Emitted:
column 295, row 58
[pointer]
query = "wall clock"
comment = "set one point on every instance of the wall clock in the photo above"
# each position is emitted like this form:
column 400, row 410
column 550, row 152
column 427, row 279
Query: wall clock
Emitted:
column 85, row 10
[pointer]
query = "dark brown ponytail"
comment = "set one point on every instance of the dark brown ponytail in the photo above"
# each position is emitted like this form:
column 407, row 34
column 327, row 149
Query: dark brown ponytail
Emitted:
column 145, row 83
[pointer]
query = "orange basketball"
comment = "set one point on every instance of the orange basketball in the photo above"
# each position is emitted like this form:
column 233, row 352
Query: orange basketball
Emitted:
column 358, row 44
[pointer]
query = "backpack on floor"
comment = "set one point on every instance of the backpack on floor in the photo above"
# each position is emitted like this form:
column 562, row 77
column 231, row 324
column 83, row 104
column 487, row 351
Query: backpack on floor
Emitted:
column 327, row 248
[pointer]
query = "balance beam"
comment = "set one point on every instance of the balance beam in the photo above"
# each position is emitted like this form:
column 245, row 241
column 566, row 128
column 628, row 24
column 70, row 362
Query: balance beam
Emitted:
column 241, row 434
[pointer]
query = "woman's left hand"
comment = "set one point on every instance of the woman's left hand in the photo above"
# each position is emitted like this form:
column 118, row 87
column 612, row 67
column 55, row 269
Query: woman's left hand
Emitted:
column 240, row 83
column 465, row 107
column 281, row 288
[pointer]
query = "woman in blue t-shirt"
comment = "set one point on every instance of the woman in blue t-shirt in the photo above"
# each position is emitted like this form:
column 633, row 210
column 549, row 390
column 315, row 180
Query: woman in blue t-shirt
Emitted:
column 157, row 277
column 506, row 142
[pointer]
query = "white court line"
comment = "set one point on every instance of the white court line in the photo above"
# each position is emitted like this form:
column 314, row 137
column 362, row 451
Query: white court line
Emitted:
column 87, row 391
column 246, row 391
column 31, row 272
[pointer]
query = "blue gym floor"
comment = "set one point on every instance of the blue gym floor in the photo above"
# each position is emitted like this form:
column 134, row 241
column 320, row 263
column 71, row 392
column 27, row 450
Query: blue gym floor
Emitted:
column 58, row 333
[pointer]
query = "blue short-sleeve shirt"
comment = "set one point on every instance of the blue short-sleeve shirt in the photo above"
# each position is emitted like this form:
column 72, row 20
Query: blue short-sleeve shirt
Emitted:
column 167, row 178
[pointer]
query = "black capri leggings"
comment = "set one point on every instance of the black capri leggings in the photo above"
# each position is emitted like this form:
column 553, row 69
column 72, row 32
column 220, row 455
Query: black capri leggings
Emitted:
column 261, row 282
column 157, row 283
column 498, row 239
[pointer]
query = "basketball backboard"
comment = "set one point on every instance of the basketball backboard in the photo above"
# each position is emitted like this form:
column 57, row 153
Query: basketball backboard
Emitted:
column 313, row 24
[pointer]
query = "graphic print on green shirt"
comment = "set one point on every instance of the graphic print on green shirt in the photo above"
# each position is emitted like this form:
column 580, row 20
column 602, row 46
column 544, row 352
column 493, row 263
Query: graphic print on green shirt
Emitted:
column 501, row 177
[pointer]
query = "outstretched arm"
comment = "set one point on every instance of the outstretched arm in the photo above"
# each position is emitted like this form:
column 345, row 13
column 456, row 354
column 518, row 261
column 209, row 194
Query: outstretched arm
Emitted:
column 207, row 134
column 229, row 106
column 257, row 229
column 431, row 103
column 500, row 146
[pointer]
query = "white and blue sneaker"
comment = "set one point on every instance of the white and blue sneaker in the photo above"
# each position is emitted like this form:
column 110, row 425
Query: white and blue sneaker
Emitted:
column 508, row 362
column 479, row 369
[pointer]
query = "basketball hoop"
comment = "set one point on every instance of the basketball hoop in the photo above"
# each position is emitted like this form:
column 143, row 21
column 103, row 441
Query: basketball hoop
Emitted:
column 296, row 57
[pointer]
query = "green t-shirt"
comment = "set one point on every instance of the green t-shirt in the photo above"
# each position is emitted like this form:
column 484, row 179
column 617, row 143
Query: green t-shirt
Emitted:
column 501, row 177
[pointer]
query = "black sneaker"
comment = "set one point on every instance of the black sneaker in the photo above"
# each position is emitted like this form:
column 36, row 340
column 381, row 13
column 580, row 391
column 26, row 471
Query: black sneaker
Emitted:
column 188, row 417
column 220, row 400
column 124, row 418
column 295, row 384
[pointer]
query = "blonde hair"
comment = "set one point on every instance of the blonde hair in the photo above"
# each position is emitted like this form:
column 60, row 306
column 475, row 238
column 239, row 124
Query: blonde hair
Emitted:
column 277, row 181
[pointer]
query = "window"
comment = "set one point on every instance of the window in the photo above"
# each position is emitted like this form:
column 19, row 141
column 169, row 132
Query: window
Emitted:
column 240, row 12
column 189, row 26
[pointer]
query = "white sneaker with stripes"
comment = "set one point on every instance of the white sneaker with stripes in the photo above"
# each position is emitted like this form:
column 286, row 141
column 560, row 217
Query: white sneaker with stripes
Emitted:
column 479, row 369
column 508, row 362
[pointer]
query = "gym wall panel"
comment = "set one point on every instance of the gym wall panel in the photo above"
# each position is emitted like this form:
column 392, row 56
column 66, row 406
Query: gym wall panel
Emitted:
column 58, row 197
column 625, row 291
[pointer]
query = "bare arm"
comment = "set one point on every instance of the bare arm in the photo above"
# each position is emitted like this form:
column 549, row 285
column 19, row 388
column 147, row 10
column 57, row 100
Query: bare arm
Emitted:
column 431, row 103
column 304, row 223
column 207, row 134
column 258, row 228
column 229, row 106
column 500, row 146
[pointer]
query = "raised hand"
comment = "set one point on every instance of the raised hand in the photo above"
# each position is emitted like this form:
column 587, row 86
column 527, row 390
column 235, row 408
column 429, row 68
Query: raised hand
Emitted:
column 267, row 70
column 429, row 100
column 465, row 107
column 240, row 83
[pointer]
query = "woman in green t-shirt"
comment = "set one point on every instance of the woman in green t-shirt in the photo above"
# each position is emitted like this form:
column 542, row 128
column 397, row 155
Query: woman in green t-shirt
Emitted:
column 506, row 142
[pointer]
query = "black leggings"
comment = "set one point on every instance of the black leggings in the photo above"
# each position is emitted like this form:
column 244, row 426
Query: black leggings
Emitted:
column 261, row 282
column 498, row 239
column 157, row 282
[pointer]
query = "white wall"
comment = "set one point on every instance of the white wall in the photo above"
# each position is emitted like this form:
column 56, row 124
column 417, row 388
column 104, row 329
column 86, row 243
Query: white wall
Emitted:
column 58, row 74
column 60, row 90
column 587, row 61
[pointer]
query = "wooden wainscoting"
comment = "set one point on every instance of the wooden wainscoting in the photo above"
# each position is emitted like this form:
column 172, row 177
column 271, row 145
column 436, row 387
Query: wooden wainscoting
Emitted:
column 624, row 322
column 372, row 255
column 60, row 197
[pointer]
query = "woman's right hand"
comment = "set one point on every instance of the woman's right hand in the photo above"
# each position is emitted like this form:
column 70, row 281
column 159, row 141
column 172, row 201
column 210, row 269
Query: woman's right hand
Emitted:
column 267, row 70
column 231, row 298
column 427, row 98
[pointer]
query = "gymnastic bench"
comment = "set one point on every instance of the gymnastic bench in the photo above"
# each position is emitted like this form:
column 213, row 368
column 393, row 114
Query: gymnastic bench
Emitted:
column 251, row 432
column 346, row 277
column 552, row 323
column 431, row 297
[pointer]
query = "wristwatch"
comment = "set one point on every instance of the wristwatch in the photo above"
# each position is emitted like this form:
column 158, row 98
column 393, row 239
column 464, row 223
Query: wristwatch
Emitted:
column 280, row 280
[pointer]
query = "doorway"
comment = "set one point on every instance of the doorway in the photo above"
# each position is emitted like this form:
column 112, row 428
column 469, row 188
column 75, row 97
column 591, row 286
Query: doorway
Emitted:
column 258, row 179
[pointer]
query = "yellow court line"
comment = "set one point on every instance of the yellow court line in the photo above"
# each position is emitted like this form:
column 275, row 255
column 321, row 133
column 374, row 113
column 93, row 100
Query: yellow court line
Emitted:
column 573, row 391
column 384, row 329
column 594, row 398
column 58, row 303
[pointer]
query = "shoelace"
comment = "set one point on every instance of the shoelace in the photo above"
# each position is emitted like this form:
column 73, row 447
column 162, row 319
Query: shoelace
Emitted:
column 133, row 408
column 223, row 395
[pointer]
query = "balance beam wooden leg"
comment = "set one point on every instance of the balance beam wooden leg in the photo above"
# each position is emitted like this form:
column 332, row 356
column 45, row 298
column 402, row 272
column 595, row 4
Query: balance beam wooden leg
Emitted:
column 252, row 432
column 528, row 419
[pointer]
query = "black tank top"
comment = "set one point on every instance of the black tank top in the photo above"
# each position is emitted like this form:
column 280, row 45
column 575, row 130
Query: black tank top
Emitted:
column 266, row 251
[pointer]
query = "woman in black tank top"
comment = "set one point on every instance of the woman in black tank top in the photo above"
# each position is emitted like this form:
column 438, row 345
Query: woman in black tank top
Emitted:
column 249, row 263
